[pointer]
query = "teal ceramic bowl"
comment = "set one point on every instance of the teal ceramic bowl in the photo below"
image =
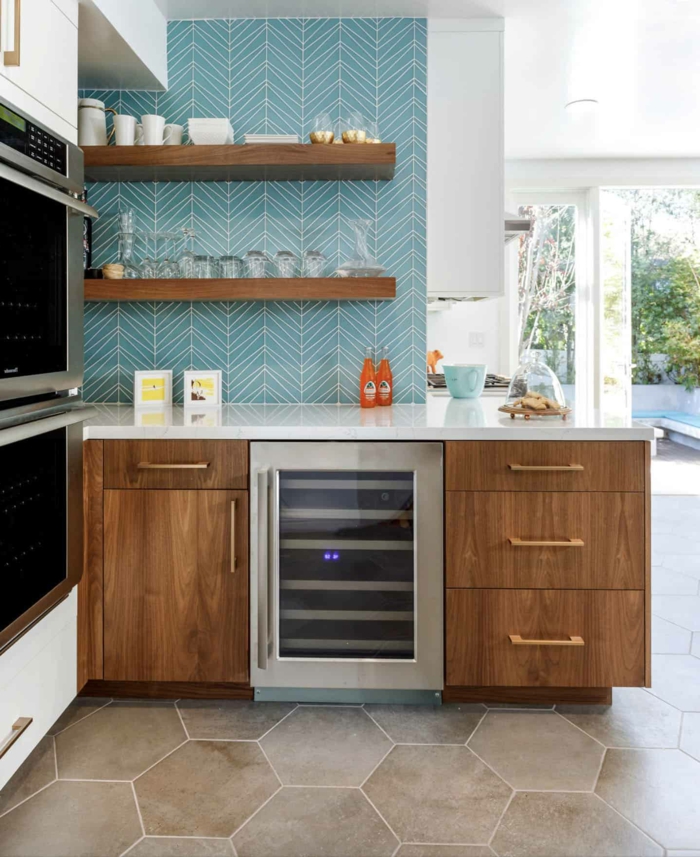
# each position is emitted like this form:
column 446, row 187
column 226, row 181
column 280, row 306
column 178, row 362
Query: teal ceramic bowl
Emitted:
column 465, row 380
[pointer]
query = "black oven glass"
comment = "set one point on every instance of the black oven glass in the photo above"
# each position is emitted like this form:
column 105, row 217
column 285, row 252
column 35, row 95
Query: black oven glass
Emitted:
column 33, row 279
column 32, row 521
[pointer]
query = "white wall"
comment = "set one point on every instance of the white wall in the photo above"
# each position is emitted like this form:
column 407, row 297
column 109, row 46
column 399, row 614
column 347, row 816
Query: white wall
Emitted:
column 469, row 332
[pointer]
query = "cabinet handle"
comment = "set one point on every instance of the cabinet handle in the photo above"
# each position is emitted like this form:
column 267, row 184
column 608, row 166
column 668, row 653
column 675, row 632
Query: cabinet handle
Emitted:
column 263, row 569
column 547, row 543
column 11, row 58
column 517, row 640
column 233, row 536
column 547, row 467
column 18, row 727
column 197, row 465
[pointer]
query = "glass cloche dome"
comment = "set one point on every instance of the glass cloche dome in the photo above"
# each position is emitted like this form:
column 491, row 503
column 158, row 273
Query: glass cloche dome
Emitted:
column 534, row 376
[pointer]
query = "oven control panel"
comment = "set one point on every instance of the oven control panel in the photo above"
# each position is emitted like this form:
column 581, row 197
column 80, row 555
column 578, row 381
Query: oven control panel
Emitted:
column 25, row 137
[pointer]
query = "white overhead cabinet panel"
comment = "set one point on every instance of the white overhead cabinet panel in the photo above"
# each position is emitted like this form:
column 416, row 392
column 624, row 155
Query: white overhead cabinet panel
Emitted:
column 465, row 216
column 39, row 65
column 123, row 45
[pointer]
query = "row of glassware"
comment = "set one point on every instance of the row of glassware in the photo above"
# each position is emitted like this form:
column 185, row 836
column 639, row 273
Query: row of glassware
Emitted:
column 170, row 255
column 162, row 260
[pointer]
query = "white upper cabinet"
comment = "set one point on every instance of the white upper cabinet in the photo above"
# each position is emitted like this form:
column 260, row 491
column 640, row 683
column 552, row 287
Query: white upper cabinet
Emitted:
column 465, row 217
column 45, row 83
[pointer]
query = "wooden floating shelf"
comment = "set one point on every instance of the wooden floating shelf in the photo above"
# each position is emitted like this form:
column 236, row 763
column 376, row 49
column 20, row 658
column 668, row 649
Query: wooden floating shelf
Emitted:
column 258, row 162
column 268, row 289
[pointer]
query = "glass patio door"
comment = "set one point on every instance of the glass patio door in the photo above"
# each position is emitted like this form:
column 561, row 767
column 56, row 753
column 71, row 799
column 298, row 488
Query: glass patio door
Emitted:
column 553, row 292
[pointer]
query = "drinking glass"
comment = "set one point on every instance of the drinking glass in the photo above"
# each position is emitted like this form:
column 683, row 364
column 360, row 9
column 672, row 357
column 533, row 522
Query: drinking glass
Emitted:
column 286, row 263
column 230, row 267
column 167, row 269
column 256, row 264
column 127, row 221
column 126, row 256
column 149, row 265
column 203, row 269
column 186, row 260
column 314, row 264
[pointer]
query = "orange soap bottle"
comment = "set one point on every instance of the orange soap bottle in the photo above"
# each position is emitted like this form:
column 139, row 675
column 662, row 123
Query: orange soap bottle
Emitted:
column 385, row 380
column 368, row 382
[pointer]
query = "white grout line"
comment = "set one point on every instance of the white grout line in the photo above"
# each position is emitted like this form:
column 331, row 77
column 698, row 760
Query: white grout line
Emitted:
column 629, row 821
column 500, row 819
column 377, row 765
column 179, row 714
column 278, row 722
column 262, row 750
column 90, row 714
column 582, row 731
column 132, row 846
column 493, row 770
column 88, row 780
column 55, row 756
column 13, row 808
column 160, row 760
column 138, row 809
column 473, row 732
column 379, row 726
column 250, row 818
column 369, row 801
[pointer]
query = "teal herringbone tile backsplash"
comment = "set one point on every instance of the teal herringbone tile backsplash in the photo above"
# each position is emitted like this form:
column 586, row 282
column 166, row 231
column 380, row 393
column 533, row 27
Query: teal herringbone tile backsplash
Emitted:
column 275, row 76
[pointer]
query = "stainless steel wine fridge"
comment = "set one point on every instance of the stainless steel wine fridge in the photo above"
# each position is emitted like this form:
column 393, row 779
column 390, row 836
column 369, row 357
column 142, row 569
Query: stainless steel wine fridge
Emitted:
column 346, row 571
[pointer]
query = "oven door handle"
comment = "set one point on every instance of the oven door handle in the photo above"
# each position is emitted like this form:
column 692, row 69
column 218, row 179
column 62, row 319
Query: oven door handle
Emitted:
column 36, row 186
column 263, row 569
column 13, row 434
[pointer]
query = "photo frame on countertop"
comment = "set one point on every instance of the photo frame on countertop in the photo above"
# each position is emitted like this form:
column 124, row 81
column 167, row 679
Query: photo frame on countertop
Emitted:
column 203, row 389
column 153, row 388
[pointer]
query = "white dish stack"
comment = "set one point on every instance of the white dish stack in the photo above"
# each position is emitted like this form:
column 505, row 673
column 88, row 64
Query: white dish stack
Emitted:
column 271, row 138
column 210, row 132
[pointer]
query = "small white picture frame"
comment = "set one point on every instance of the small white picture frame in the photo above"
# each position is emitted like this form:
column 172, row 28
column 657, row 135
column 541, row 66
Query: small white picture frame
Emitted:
column 203, row 389
column 153, row 389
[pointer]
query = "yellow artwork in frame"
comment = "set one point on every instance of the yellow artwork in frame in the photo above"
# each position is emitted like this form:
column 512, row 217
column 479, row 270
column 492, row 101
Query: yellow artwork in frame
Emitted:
column 153, row 388
column 203, row 389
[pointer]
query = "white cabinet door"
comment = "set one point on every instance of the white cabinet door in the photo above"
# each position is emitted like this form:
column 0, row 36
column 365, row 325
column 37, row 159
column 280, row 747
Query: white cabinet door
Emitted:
column 48, row 69
column 465, row 159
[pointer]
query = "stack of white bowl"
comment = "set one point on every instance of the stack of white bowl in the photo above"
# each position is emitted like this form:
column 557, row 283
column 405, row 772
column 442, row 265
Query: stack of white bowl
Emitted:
column 210, row 132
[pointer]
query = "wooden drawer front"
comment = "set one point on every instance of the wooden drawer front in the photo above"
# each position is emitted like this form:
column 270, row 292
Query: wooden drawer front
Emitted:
column 479, row 527
column 178, row 464
column 480, row 621
column 493, row 465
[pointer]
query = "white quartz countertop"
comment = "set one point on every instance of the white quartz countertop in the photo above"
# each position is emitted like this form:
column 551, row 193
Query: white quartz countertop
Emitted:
column 442, row 418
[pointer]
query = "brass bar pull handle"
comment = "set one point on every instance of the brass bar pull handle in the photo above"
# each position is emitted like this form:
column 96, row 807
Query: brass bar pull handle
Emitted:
column 11, row 58
column 197, row 465
column 233, row 536
column 546, row 543
column 517, row 640
column 576, row 468
column 18, row 727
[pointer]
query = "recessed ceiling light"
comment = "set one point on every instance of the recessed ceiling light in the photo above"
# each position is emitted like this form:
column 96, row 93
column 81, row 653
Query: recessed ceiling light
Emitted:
column 582, row 105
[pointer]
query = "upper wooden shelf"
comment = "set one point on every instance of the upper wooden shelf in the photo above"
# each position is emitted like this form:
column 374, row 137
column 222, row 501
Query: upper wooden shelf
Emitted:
column 269, row 162
column 267, row 289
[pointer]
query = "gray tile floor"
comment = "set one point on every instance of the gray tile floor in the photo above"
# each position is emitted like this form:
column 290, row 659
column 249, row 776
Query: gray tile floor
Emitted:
column 166, row 779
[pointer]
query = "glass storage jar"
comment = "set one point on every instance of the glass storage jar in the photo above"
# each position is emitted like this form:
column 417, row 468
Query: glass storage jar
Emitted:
column 256, row 263
column 534, row 376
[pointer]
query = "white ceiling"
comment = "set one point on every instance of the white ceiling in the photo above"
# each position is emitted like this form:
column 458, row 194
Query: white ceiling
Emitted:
column 639, row 58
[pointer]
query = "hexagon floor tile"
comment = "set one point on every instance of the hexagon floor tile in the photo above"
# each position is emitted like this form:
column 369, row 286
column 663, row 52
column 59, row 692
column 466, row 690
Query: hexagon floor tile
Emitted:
column 231, row 719
column 37, row 771
column 682, row 610
column 437, row 794
column 695, row 646
column 316, row 822
column 690, row 735
column 538, row 750
column 158, row 846
column 325, row 746
column 427, row 724
column 676, row 680
column 72, row 820
column 537, row 824
column 657, row 790
column 118, row 742
column 635, row 719
column 668, row 639
column 205, row 789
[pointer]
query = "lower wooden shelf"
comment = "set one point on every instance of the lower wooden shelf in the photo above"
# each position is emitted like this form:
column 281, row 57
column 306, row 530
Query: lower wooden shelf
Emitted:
column 268, row 289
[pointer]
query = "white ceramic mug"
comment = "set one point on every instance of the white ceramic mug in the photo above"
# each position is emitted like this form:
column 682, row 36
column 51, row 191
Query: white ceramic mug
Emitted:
column 153, row 127
column 172, row 135
column 124, row 130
